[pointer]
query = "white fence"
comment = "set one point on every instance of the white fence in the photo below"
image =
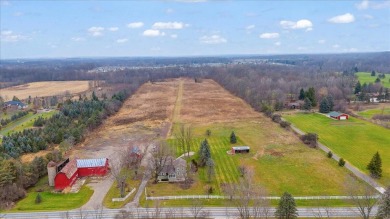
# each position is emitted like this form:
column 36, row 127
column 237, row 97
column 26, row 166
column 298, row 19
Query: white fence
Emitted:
column 124, row 198
column 267, row 197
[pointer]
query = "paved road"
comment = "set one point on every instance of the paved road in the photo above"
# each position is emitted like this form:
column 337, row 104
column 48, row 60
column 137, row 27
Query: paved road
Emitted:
column 349, row 166
column 213, row 212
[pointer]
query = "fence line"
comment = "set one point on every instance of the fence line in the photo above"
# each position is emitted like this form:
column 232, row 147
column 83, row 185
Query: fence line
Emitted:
column 267, row 197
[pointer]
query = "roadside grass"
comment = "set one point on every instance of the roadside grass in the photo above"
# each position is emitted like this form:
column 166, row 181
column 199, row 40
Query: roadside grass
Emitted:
column 25, row 122
column 365, row 77
column 115, row 193
column 279, row 160
column 355, row 140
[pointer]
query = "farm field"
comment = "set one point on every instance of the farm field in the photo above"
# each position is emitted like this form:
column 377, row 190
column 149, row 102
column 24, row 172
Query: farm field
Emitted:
column 279, row 160
column 44, row 88
column 355, row 140
column 371, row 112
column 365, row 77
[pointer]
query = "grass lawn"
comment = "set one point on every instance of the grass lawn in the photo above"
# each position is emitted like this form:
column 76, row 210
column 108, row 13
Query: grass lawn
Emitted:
column 279, row 160
column 115, row 193
column 365, row 77
column 24, row 122
column 355, row 140
column 52, row 201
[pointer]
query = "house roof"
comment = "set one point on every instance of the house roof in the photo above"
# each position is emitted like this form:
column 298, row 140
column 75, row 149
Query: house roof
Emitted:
column 241, row 148
column 179, row 162
column 83, row 163
column 335, row 114
column 14, row 103
column 69, row 169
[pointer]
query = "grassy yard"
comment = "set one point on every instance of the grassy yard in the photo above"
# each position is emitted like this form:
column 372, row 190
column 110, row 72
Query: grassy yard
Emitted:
column 24, row 122
column 279, row 160
column 365, row 77
column 355, row 140
column 115, row 193
column 52, row 201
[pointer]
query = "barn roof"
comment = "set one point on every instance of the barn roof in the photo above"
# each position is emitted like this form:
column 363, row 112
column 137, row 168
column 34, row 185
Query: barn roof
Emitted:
column 69, row 169
column 14, row 103
column 335, row 114
column 241, row 148
column 99, row 162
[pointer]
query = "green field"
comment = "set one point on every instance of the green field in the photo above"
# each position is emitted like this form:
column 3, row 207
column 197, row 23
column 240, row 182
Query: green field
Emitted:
column 365, row 77
column 52, row 201
column 279, row 160
column 371, row 112
column 355, row 140
column 24, row 122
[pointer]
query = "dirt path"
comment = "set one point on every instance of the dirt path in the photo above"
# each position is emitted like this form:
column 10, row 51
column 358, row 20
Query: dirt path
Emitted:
column 177, row 108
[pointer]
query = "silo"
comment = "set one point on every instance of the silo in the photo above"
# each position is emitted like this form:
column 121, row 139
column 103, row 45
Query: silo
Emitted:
column 51, row 172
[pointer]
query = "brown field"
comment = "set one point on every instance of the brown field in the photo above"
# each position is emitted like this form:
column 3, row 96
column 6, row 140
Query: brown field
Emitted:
column 208, row 102
column 45, row 88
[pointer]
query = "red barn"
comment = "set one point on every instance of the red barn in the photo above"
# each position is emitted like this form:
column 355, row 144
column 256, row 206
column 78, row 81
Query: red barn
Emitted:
column 92, row 167
column 338, row 115
column 67, row 176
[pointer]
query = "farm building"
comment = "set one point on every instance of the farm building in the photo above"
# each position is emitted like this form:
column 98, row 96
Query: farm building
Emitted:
column 338, row 115
column 174, row 170
column 65, row 174
column 294, row 104
column 92, row 167
column 240, row 149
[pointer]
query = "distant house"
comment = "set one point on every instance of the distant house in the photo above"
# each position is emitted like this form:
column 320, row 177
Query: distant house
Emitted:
column 173, row 171
column 15, row 105
column 338, row 115
column 294, row 104
column 240, row 149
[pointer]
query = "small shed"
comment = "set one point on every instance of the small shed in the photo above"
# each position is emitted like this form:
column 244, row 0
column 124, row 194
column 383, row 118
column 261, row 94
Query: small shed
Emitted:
column 66, row 176
column 92, row 167
column 240, row 149
column 338, row 115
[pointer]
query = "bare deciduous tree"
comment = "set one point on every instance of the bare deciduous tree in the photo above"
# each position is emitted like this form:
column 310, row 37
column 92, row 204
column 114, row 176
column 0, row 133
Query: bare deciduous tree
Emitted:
column 120, row 172
column 196, row 208
column 363, row 197
column 158, row 159
column 184, row 137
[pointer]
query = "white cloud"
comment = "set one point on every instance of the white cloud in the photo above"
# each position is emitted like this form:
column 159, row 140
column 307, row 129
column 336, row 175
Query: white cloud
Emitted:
column 250, row 27
column 362, row 5
column 301, row 48
column 168, row 25
column 278, row 43
column 135, row 25
column 77, row 39
column 10, row 36
column 173, row 36
column 153, row 33
column 342, row 19
column 213, row 39
column 169, row 11
column 123, row 40
column 269, row 35
column 113, row 29
column 301, row 24
column 336, row 46
column 18, row 14
column 5, row 3
column 368, row 17
column 321, row 41
column 96, row 31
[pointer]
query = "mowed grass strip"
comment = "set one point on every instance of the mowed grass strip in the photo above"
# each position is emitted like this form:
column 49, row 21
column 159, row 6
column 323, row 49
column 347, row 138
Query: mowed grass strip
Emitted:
column 365, row 77
column 371, row 112
column 355, row 140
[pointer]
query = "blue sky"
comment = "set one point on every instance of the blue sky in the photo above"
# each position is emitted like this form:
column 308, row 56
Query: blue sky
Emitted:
column 87, row 28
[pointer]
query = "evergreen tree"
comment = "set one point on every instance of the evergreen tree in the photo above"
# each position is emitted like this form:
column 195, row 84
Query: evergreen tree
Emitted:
column 233, row 138
column 331, row 102
column 373, row 73
column 302, row 94
column 375, row 166
column 330, row 154
column 307, row 104
column 204, row 153
column 311, row 94
column 324, row 105
column 341, row 162
column 286, row 207
column 358, row 87
column 38, row 199
column 15, row 98
column 94, row 97
column 384, row 205
column 377, row 80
